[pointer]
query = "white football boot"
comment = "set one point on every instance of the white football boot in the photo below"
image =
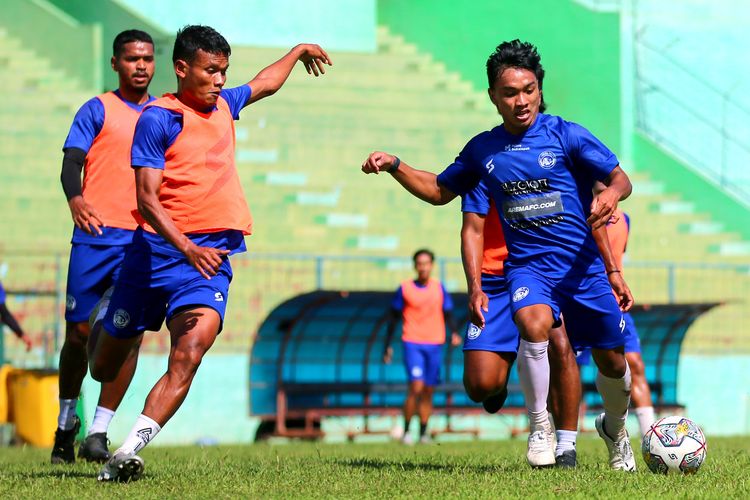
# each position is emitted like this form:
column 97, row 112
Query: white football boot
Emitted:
column 540, row 450
column 123, row 467
column 620, row 453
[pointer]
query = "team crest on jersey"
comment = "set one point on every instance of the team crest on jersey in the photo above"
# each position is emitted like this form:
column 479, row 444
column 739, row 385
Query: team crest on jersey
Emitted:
column 474, row 332
column 520, row 293
column 70, row 302
column 547, row 159
column 121, row 318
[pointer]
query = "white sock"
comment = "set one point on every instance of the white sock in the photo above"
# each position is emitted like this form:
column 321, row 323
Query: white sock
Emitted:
column 102, row 418
column 533, row 373
column 566, row 440
column 140, row 435
column 646, row 417
column 66, row 417
column 615, row 393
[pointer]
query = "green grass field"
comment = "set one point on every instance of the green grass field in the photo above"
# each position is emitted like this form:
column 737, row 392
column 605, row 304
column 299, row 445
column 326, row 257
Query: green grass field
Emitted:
column 458, row 469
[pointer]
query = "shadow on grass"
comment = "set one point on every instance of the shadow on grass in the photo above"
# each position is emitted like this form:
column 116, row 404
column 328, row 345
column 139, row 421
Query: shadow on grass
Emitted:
column 60, row 474
column 404, row 465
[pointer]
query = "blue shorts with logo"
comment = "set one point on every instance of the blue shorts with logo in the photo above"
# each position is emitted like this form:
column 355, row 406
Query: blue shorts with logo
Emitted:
column 632, row 342
column 592, row 316
column 499, row 333
column 92, row 269
column 423, row 361
column 154, row 285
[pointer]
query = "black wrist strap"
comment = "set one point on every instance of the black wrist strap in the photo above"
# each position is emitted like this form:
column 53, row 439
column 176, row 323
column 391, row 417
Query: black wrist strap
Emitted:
column 395, row 165
column 613, row 271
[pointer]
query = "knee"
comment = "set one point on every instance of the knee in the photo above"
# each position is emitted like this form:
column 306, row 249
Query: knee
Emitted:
column 534, row 328
column 187, row 360
column 101, row 371
column 480, row 388
column 77, row 335
column 611, row 364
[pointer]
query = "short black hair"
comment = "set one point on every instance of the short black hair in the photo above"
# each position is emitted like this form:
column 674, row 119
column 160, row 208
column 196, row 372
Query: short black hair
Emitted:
column 516, row 54
column 425, row 252
column 128, row 36
column 196, row 37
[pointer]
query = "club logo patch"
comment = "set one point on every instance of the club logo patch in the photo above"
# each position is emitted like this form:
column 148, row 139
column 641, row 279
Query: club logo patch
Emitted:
column 474, row 332
column 520, row 293
column 70, row 303
column 121, row 318
column 547, row 159
column 416, row 372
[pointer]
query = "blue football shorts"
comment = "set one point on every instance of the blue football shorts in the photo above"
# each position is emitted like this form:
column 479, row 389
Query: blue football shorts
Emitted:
column 154, row 286
column 499, row 333
column 422, row 362
column 92, row 269
column 592, row 316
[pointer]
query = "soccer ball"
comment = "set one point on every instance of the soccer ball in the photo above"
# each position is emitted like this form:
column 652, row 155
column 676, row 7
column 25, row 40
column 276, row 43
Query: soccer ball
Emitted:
column 674, row 444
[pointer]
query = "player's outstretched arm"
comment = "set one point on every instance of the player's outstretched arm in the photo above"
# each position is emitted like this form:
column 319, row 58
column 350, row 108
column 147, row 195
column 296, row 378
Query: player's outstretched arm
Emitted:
column 420, row 183
column 605, row 203
column 271, row 78
column 472, row 248
column 147, row 185
column 614, row 275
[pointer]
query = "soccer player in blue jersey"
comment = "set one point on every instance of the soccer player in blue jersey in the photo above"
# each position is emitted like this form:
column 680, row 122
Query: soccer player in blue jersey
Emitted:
column 8, row 319
column 98, row 144
column 192, row 215
column 540, row 171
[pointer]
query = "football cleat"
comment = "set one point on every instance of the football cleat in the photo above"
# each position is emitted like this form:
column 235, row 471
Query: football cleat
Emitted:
column 620, row 453
column 566, row 460
column 94, row 448
column 123, row 467
column 540, row 450
column 63, row 452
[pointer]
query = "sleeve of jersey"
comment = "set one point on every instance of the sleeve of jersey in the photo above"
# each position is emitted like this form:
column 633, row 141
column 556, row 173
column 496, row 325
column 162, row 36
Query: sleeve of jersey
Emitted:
column 155, row 131
column 447, row 300
column 476, row 201
column 87, row 124
column 589, row 152
column 237, row 98
column 398, row 300
column 459, row 176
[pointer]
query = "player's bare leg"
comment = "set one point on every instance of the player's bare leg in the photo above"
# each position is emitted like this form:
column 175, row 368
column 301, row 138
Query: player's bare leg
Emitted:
column 73, row 368
column 534, row 323
column 192, row 334
column 613, row 384
column 425, row 410
column 107, row 354
column 416, row 387
column 564, row 397
column 486, row 377
column 640, row 393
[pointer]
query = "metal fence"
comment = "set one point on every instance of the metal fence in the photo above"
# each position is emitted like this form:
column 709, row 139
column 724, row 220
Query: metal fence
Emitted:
column 36, row 284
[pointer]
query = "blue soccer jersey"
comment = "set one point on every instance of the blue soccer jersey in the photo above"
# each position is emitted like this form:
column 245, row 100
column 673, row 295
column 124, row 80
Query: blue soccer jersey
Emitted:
column 542, row 183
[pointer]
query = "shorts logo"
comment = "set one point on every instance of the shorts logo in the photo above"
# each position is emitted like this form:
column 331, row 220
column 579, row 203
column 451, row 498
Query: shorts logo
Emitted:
column 416, row 372
column 622, row 324
column 218, row 297
column 70, row 302
column 474, row 332
column 547, row 159
column 121, row 318
column 520, row 293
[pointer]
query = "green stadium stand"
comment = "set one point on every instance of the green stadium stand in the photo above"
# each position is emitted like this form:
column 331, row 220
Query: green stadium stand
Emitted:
column 299, row 155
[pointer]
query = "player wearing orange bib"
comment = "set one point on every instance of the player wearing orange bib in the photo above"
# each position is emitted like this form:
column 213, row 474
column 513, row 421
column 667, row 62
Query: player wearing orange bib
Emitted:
column 192, row 215
column 99, row 144
column 425, row 308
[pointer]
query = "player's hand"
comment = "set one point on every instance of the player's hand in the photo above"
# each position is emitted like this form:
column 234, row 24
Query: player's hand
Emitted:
column 26, row 341
column 85, row 216
column 622, row 291
column 456, row 339
column 478, row 304
column 388, row 355
column 314, row 58
column 378, row 162
column 602, row 208
column 206, row 260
